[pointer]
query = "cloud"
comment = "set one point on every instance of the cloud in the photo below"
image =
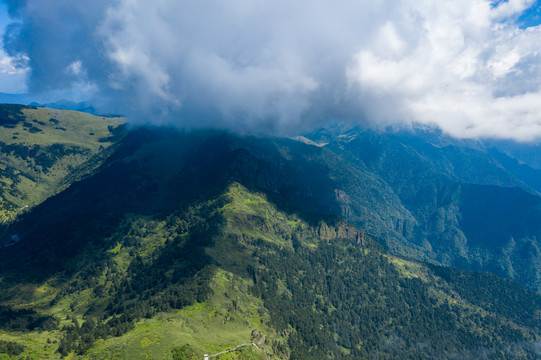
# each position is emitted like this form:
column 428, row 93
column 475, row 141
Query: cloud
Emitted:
column 10, row 65
column 13, row 76
column 468, row 72
column 283, row 67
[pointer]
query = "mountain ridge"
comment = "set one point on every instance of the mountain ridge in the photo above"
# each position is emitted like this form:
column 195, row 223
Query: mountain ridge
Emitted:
column 173, row 261
column 179, row 244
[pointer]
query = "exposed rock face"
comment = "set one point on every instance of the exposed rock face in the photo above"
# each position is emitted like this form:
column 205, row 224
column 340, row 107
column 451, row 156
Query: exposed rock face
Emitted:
column 342, row 230
column 261, row 341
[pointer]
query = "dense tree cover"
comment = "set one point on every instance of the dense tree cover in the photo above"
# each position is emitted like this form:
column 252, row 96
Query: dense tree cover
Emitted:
column 10, row 348
column 11, row 114
column 184, row 352
column 25, row 320
column 65, row 248
column 342, row 301
column 175, row 275
column 507, row 298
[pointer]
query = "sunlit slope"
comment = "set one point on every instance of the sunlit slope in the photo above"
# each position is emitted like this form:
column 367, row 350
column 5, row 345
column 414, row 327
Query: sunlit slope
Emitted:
column 43, row 150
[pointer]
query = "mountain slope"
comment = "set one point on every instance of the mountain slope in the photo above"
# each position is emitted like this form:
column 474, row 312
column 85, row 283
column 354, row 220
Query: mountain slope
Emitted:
column 44, row 150
column 193, row 251
column 465, row 207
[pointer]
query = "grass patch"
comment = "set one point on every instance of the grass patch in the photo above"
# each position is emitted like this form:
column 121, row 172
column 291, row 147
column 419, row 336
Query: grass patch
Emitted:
column 228, row 318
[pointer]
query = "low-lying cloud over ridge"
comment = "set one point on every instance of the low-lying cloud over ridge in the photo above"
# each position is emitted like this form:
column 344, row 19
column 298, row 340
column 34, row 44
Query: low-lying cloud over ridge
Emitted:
column 281, row 66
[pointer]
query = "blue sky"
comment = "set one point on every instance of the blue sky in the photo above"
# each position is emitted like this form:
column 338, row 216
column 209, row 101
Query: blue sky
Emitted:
column 10, row 82
column 4, row 17
column 532, row 16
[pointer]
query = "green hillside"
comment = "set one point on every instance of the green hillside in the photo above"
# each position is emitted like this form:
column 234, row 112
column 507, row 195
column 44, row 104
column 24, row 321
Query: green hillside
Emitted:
column 44, row 150
column 212, row 245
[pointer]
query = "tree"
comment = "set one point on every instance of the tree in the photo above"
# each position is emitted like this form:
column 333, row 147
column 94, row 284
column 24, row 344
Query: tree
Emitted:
column 184, row 352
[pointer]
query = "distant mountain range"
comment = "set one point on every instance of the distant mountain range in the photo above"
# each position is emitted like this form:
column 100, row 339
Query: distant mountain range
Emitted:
column 83, row 106
column 62, row 104
column 170, row 244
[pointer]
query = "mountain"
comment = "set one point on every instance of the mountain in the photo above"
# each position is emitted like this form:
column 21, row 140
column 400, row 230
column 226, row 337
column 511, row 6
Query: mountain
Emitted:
column 83, row 106
column 181, row 244
column 423, row 195
column 44, row 150
column 466, row 204
column 528, row 154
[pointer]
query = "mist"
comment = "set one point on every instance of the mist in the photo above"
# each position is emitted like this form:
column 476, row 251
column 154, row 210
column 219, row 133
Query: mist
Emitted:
column 281, row 68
